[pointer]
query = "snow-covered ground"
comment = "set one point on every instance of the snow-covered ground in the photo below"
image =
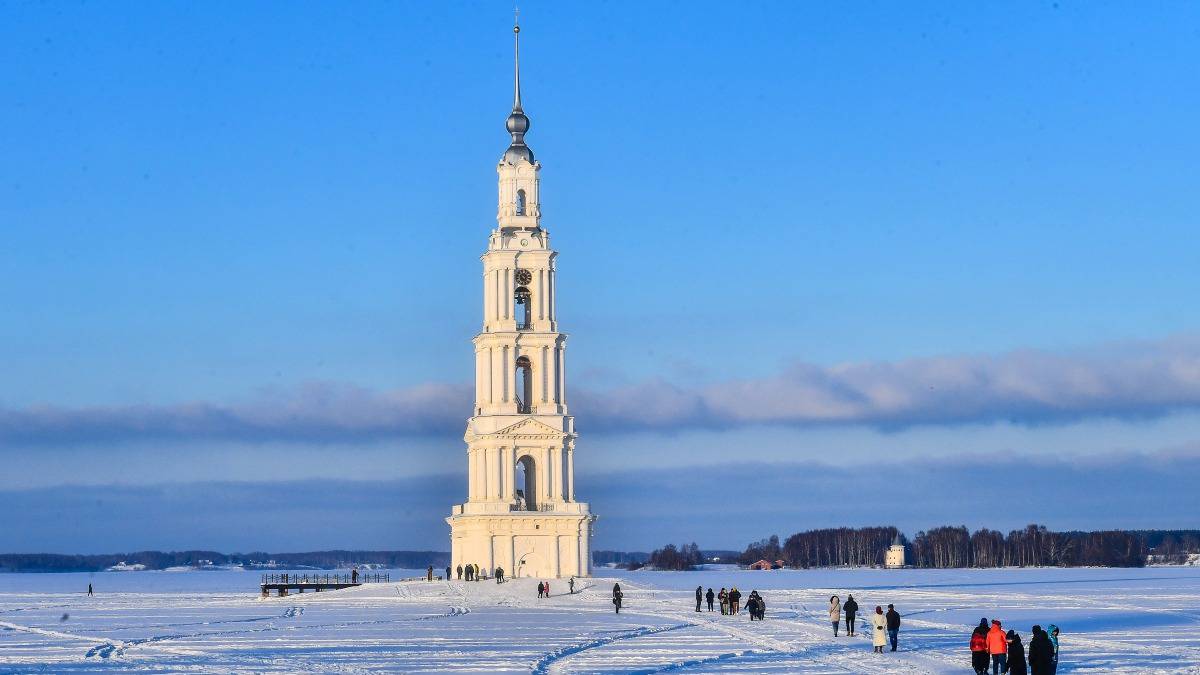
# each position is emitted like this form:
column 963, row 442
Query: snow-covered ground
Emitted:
column 1113, row 620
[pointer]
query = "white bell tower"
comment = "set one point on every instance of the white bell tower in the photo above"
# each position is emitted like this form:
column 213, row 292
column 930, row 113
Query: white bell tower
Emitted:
column 520, row 514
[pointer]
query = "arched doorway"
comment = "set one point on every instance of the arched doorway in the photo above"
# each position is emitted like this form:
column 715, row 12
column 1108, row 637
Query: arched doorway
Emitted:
column 526, row 483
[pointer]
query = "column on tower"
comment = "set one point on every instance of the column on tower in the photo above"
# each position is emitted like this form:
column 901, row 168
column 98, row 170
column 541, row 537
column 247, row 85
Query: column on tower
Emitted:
column 505, row 374
column 556, row 470
column 544, row 380
column 541, row 294
column 570, row 472
column 493, row 475
column 545, row 484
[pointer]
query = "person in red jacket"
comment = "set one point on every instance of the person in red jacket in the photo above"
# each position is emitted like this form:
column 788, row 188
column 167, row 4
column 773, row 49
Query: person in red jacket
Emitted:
column 979, row 650
column 997, row 642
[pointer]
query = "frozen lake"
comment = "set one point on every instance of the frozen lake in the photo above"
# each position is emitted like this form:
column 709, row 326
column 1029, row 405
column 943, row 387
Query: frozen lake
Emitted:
column 1113, row 620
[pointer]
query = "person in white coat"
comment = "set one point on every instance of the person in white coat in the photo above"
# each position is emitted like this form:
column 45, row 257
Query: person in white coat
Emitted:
column 835, row 613
column 878, row 630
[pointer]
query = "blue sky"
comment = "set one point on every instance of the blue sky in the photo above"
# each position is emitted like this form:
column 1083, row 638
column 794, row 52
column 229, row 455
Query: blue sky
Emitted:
column 240, row 237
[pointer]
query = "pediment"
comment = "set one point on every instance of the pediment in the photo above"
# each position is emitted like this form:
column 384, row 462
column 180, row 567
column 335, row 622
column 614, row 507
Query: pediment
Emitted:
column 526, row 428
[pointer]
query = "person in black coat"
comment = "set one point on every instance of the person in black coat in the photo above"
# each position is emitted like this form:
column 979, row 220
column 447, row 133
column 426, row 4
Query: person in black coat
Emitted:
column 1041, row 653
column 448, row 576
column 1016, row 654
column 893, row 625
column 709, row 596
column 850, row 608
column 699, row 597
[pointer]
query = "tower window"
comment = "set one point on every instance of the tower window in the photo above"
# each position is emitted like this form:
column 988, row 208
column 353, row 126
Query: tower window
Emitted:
column 524, row 382
column 524, row 308
column 520, row 202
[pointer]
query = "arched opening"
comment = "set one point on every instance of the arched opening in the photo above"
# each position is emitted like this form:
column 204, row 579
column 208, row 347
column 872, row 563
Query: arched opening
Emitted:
column 524, row 382
column 526, row 482
column 524, row 308
column 520, row 202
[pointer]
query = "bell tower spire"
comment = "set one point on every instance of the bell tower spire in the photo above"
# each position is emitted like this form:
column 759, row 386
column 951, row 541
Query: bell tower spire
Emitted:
column 516, row 61
column 517, row 122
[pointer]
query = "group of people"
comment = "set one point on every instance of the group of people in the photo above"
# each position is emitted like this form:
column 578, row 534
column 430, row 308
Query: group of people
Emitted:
column 472, row 573
column 1005, row 653
column 885, row 626
column 731, row 602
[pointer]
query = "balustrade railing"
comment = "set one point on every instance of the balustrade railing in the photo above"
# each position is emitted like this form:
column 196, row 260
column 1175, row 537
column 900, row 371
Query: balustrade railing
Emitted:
column 288, row 578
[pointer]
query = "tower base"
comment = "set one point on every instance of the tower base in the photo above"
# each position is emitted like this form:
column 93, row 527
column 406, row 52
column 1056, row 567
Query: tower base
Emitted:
column 544, row 545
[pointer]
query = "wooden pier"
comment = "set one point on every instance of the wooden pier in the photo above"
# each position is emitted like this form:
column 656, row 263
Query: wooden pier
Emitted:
column 283, row 583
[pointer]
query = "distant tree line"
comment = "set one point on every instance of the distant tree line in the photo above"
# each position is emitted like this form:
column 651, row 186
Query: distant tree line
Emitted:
column 157, row 560
column 840, row 547
column 950, row 547
column 686, row 557
column 1034, row 546
column 1171, row 546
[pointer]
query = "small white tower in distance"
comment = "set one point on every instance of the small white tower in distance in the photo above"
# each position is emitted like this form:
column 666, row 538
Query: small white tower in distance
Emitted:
column 894, row 558
column 520, row 514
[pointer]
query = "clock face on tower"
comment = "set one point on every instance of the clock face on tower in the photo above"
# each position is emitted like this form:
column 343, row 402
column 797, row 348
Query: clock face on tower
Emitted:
column 524, row 277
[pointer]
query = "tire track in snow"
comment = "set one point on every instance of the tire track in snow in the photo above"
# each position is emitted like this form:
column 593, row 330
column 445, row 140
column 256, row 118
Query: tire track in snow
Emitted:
column 111, row 648
column 663, row 608
column 291, row 613
column 682, row 665
column 544, row 664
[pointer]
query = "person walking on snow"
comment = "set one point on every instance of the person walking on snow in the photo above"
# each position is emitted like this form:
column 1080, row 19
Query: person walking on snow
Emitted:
column 878, row 624
column 618, row 597
column 541, row 590
column 1041, row 653
column 709, row 596
column 759, row 609
column 997, row 643
column 735, row 600
column 571, row 585
column 699, row 597
column 752, row 606
column 448, row 575
column 893, row 625
column 499, row 575
column 835, row 613
column 429, row 574
column 850, row 608
column 979, row 648
column 459, row 573
column 724, row 597
column 90, row 592
column 354, row 575
column 1052, row 632
column 547, row 589
column 1016, row 654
